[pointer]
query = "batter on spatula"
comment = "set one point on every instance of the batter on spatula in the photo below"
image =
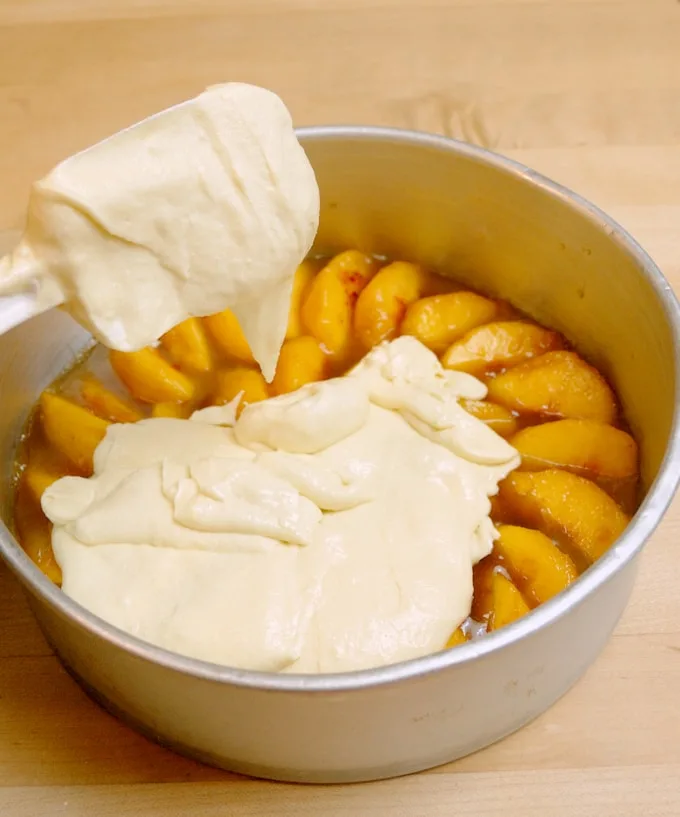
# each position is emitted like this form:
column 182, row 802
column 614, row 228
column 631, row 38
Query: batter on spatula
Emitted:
column 209, row 205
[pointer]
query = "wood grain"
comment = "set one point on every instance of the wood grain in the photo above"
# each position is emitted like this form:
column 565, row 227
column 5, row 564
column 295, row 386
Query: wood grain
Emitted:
column 587, row 92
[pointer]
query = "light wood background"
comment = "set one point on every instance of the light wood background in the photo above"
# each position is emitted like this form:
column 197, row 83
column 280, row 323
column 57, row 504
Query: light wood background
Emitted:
column 586, row 91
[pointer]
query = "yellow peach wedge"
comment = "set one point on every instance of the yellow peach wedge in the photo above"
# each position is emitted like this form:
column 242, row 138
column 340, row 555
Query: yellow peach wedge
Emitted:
column 107, row 404
column 499, row 345
column 354, row 269
column 508, row 602
column 304, row 275
column 188, row 346
column 226, row 331
column 301, row 361
column 44, row 465
column 482, row 574
column 500, row 419
column 586, row 447
column 439, row 320
column 557, row 384
column 35, row 534
column 328, row 308
column 572, row 510
column 457, row 637
column 382, row 305
column 178, row 411
column 535, row 564
column 249, row 383
column 39, row 477
column 149, row 377
column 72, row 430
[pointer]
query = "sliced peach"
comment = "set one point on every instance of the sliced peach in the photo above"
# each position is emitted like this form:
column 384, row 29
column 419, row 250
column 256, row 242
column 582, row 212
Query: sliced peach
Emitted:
column 43, row 463
column 457, row 637
column 179, row 411
column 304, row 275
column 508, row 602
column 106, row 404
column 498, row 513
column 538, row 568
column 382, row 305
column 188, row 346
column 34, row 533
column 38, row 476
column 354, row 269
column 328, row 307
column 557, row 384
column 439, row 320
column 500, row 419
column 574, row 511
column 327, row 314
column 74, row 431
column 499, row 345
column 227, row 333
column 301, row 361
column 587, row 447
column 150, row 378
column 481, row 582
column 249, row 383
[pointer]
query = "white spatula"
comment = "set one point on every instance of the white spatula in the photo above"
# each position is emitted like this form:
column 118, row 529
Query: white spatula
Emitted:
column 20, row 306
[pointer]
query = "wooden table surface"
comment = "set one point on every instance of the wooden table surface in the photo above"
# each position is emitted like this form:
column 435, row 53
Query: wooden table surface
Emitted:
column 589, row 93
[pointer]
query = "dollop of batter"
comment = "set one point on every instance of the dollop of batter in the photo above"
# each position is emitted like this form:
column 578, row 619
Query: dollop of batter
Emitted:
column 327, row 530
